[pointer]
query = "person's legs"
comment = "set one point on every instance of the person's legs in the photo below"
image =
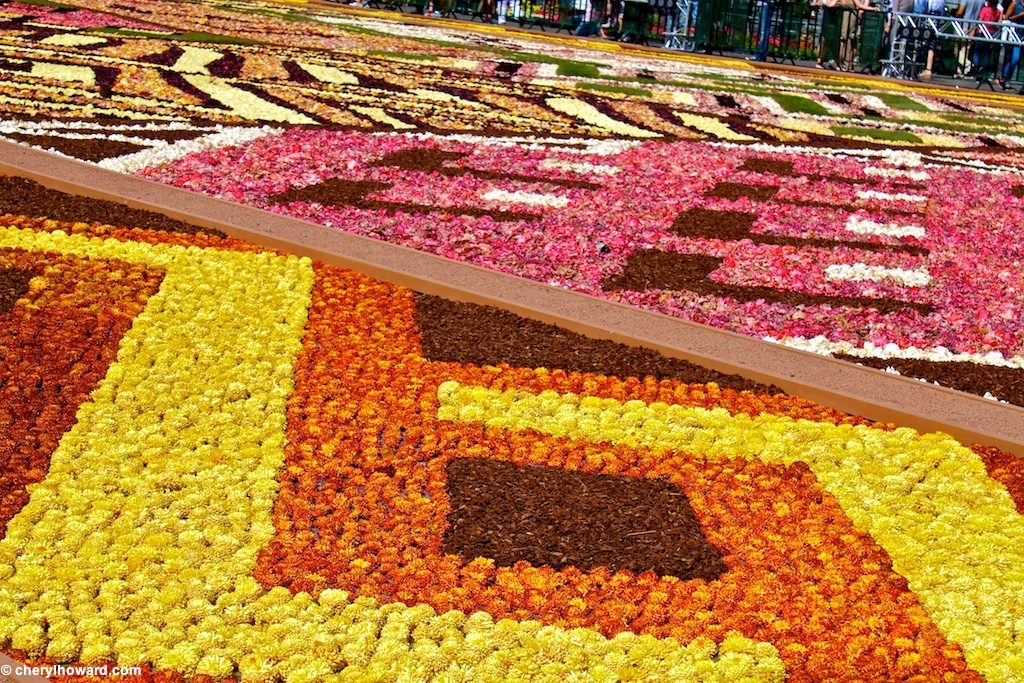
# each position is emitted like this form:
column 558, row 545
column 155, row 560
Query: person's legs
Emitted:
column 761, row 54
column 928, row 62
column 1010, row 67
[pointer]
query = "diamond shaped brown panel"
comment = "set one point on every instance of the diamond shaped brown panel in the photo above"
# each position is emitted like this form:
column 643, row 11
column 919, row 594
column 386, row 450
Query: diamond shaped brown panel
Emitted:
column 557, row 518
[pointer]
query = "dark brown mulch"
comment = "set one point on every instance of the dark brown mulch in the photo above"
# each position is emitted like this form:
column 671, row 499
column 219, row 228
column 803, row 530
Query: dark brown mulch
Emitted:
column 757, row 193
column 13, row 286
column 785, row 168
column 341, row 192
column 21, row 196
column 713, row 224
column 653, row 269
column 1004, row 383
column 228, row 66
column 846, row 207
column 434, row 160
column 507, row 68
column 88, row 149
column 768, row 166
column 552, row 517
column 727, row 102
column 1018, row 191
column 735, row 225
column 459, row 332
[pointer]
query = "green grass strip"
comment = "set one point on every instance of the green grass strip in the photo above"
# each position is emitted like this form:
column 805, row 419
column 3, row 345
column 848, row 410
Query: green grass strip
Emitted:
column 621, row 89
column 876, row 134
column 287, row 14
column 403, row 55
column 567, row 67
column 190, row 36
column 897, row 101
column 47, row 3
column 798, row 104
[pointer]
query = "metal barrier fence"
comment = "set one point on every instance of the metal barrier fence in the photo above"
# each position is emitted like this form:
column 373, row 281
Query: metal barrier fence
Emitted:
column 896, row 45
column 788, row 31
column 985, row 51
column 637, row 21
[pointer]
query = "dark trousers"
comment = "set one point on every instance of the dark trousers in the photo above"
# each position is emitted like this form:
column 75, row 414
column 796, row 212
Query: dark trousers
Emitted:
column 767, row 10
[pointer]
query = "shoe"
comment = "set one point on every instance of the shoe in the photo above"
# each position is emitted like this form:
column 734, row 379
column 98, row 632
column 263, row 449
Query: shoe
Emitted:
column 501, row 19
column 435, row 13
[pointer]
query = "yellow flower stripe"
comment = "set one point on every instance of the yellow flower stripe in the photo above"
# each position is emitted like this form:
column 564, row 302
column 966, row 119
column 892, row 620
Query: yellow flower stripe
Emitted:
column 139, row 544
column 243, row 103
column 951, row 530
column 588, row 113
column 710, row 125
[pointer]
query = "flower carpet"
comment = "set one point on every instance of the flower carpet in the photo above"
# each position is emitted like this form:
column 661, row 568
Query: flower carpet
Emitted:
column 222, row 462
column 840, row 216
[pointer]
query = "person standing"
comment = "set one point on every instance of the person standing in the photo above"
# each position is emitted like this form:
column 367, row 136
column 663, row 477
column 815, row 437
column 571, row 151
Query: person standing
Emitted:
column 842, row 14
column 969, row 10
column 1013, row 13
column 935, row 8
column 768, row 9
column 983, row 60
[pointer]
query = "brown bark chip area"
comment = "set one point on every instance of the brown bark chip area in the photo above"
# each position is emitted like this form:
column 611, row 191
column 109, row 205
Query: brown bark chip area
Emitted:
column 756, row 193
column 786, row 169
column 1004, row 383
column 768, row 166
column 457, row 332
column 88, row 149
column 711, row 224
column 340, row 192
column 653, row 269
column 735, row 225
column 435, row 160
column 13, row 286
column 24, row 197
column 552, row 517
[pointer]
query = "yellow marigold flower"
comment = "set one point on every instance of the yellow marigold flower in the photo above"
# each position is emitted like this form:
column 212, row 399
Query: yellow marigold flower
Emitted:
column 182, row 658
column 215, row 665
column 30, row 637
column 95, row 649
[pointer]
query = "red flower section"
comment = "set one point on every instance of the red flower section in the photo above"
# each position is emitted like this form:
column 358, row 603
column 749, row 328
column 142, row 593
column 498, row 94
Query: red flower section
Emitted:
column 1007, row 469
column 56, row 344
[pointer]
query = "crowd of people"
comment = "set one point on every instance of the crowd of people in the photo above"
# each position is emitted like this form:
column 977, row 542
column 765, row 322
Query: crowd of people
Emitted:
column 980, row 52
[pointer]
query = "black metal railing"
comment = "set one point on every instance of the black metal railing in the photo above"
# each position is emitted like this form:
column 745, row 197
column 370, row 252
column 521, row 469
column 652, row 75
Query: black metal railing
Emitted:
column 776, row 30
